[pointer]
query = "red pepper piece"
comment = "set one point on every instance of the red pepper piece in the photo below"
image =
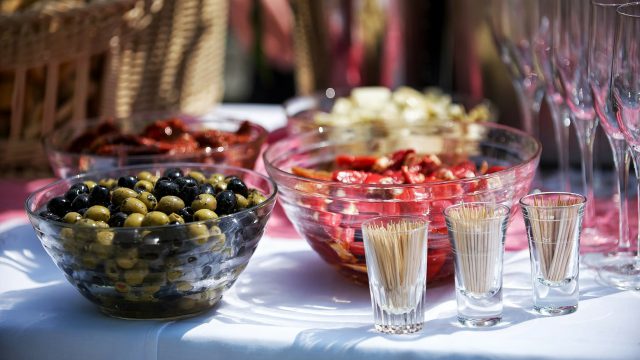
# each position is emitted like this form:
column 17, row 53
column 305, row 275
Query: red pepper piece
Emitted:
column 412, row 177
column 350, row 162
column 398, row 158
column 396, row 176
column 357, row 248
column 311, row 174
column 349, row 176
column 436, row 259
column 495, row 168
column 464, row 169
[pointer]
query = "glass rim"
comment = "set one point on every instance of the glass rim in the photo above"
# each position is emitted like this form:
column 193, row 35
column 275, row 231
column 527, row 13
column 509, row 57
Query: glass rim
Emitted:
column 621, row 9
column 424, row 222
column 583, row 199
column 614, row 3
column 493, row 205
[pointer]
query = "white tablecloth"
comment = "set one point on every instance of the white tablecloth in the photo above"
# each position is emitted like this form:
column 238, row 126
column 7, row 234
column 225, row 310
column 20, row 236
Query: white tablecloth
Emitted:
column 288, row 304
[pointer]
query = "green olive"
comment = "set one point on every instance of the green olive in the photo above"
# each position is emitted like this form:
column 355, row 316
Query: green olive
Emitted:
column 135, row 276
column 102, row 252
column 111, row 269
column 98, row 213
column 170, row 204
column 145, row 175
column 204, row 214
column 66, row 234
column 122, row 287
column 133, row 220
column 155, row 218
column 204, row 201
column 105, row 237
column 148, row 199
column 127, row 258
column 133, row 205
column 198, row 233
column 102, row 225
column 71, row 217
column 87, row 223
column 174, row 274
column 90, row 184
column 173, row 217
column 89, row 261
column 183, row 286
column 121, row 194
column 143, row 185
column 255, row 198
column 217, row 177
column 200, row 178
column 241, row 201
column 108, row 183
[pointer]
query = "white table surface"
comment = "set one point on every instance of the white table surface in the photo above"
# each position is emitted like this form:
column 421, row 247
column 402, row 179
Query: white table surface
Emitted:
column 288, row 304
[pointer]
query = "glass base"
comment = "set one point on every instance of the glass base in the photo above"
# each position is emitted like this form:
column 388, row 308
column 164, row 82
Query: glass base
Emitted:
column 622, row 272
column 475, row 322
column 554, row 311
column 594, row 240
column 399, row 329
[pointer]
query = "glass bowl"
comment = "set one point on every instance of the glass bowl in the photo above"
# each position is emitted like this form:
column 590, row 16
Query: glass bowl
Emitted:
column 159, row 272
column 67, row 163
column 328, row 214
column 301, row 111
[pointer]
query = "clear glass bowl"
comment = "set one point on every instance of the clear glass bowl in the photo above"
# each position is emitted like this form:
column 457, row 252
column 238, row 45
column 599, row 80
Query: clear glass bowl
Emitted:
column 65, row 163
column 329, row 214
column 160, row 272
column 302, row 110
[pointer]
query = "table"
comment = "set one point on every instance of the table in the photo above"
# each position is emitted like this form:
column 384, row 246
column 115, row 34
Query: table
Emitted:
column 288, row 304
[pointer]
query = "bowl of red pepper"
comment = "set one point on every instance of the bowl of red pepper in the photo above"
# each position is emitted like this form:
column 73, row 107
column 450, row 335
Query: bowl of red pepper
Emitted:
column 332, row 179
column 153, row 138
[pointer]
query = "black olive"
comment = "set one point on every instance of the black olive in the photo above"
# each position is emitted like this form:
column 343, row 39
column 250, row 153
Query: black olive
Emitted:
column 50, row 216
column 206, row 188
column 127, row 181
column 99, row 195
column 237, row 186
column 117, row 219
column 75, row 190
column 226, row 202
column 59, row 206
column 173, row 173
column 166, row 188
column 185, row 180
column 81, row 211
column 186, row 213
column 189, row 192
column 229, row 178
column 80, row 202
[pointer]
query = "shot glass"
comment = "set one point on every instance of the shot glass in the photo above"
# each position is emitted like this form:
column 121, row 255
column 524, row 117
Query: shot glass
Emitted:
column 396, row 256
column 477, row 235
column 554, row 222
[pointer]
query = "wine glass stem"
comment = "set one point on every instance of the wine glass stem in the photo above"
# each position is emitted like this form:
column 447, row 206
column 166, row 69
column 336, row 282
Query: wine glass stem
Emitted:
column 586, row 131
column 621, row 161
column 529, row 99
column 636, row 165
column 561, row 122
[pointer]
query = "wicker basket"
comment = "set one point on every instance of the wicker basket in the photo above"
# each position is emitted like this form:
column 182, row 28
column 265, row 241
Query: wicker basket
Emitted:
column 64, row 63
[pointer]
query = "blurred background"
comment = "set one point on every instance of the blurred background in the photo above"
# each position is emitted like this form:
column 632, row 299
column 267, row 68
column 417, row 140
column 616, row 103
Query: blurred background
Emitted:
column 65, row 60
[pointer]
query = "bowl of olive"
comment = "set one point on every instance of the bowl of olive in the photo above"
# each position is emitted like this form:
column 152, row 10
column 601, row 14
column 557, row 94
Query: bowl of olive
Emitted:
column 153, row 242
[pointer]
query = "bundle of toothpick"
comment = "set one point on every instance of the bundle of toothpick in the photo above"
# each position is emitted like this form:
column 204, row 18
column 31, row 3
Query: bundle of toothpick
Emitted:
column 477, row 233
column 400, row 266
column 554, row 231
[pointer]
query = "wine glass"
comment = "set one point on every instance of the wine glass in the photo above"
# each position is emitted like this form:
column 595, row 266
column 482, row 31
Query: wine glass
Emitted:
column 625, row 93
column 570, row 56
column 511, row 28
column 603, row 21
column 544, row 16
